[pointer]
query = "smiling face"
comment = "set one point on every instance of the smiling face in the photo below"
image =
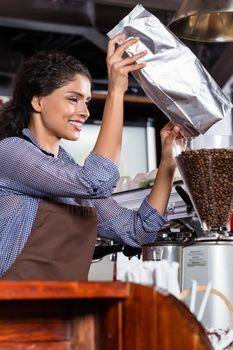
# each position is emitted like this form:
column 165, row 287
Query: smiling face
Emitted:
column 62, row 113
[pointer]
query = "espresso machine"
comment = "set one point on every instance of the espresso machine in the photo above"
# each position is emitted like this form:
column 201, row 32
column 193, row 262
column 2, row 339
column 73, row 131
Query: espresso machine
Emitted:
column 182, row 227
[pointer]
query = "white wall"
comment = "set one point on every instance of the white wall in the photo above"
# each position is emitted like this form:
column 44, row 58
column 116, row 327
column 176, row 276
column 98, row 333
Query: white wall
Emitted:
column 134, row 149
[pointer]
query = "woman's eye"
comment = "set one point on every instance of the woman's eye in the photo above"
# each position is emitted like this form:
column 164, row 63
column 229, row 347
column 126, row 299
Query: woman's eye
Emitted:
column 73, row 99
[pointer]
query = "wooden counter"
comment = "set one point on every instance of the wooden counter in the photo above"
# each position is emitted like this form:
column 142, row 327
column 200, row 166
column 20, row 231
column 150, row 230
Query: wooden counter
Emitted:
column 94, row 316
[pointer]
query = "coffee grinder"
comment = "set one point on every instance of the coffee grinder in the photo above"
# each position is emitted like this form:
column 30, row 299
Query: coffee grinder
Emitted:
column 206, row 166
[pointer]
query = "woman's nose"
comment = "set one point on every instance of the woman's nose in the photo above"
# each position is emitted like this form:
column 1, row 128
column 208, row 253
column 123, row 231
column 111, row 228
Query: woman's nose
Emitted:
column 84, row 111
column 87, row 113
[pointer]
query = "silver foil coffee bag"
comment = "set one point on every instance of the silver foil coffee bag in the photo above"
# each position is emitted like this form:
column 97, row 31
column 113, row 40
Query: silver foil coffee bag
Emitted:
column 174, row 79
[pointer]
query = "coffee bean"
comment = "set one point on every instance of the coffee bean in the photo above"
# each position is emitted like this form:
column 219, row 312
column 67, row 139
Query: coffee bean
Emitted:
column 208, row 176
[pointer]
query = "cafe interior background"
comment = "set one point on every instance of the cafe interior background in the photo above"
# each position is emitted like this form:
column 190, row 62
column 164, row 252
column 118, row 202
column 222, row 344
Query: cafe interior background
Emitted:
column 79, row 28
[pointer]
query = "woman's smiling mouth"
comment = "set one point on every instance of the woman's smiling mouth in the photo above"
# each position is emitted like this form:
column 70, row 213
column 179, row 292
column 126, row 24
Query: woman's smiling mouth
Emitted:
column 77, row 124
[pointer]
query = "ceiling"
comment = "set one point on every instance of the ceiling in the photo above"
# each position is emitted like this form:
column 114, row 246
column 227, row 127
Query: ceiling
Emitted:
column 79, row 28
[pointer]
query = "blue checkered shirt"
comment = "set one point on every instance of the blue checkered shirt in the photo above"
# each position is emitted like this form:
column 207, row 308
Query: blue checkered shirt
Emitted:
column 29, row 174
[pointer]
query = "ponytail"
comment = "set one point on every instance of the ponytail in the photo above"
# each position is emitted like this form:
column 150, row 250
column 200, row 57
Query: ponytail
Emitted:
column 12, row 120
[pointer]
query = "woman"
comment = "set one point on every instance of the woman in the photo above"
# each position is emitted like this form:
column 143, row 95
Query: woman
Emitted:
column 50, row 207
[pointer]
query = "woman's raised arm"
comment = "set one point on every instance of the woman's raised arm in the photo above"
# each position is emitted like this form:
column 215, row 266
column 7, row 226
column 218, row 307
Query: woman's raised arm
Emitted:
column 109, row 140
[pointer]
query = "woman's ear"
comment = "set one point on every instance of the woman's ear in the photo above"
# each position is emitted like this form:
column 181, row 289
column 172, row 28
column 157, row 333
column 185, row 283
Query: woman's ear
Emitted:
column 36, row 103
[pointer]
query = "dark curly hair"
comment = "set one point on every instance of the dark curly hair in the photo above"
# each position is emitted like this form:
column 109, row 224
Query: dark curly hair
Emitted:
column 40, row 75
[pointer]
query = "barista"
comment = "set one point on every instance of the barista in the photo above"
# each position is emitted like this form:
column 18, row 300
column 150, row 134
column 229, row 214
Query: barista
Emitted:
column 50, row 207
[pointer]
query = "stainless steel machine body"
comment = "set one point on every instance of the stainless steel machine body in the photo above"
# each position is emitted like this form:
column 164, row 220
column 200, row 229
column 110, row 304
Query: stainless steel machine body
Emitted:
column 170, row 251
column 169, row 247
column 210, row 260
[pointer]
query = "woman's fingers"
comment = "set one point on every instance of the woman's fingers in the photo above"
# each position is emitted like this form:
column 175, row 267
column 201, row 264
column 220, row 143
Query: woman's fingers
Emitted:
column 133, row 67
column 172, row 132
column 112, row 44
column 115, row 59
column 171, row 127
column 132, row 59
column 116, row 51
column 124, row 46
column 168, row 127
column 129, row 64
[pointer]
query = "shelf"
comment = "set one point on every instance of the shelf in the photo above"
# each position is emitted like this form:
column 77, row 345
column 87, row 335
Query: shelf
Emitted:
column 101, row 95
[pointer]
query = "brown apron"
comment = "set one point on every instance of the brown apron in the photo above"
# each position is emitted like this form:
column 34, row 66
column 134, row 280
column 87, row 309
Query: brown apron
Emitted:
column 60, row 246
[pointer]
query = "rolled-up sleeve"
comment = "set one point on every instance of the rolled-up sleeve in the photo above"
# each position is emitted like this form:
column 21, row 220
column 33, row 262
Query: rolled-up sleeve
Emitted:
column 27, row 169
column 101, row 173
column 135, row 228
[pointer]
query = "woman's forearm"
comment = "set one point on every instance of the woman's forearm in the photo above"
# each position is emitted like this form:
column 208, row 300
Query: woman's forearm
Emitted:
column 109, row 140
column 159, row 196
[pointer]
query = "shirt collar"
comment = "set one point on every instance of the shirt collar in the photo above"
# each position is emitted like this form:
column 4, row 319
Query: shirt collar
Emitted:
column 27, row 133
column 61, row 153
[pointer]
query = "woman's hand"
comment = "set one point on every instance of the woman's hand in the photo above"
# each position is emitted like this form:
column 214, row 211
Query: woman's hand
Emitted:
column 169, row 134
column 119, row 66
